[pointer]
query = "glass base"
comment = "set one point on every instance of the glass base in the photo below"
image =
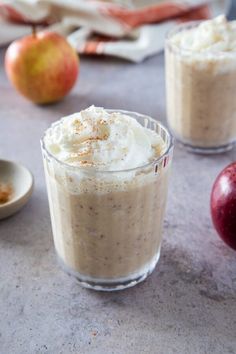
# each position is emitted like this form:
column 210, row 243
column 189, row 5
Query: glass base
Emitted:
column 101, row 284
column 207, row 150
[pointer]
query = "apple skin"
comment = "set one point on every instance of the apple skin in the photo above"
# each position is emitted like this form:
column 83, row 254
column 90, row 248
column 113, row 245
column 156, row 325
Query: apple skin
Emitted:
column 43, row 67
column 223, row 205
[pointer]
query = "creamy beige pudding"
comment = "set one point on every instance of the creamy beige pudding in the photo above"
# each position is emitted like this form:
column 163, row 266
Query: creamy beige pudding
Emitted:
column 201, row 83
column 106, row 209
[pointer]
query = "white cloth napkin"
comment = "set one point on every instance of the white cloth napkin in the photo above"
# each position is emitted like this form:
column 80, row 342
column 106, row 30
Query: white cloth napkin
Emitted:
column 132, row 29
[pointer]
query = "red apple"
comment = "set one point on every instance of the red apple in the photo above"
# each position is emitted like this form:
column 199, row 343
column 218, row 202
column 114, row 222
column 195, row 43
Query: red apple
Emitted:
column 223, row 205
column 43, row 66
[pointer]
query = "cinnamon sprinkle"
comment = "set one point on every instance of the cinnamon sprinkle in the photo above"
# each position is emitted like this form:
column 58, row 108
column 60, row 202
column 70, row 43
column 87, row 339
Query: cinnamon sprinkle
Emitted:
column 103, row 122
column 6, row 192
column 96, row 138
column 85, row 162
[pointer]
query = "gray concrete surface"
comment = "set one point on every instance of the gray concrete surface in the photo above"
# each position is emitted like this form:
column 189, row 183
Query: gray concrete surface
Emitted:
column 188, row 305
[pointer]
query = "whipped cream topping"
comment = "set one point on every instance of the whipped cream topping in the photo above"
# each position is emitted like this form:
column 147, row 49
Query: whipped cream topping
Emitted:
column 103, row 140
column 211, row 36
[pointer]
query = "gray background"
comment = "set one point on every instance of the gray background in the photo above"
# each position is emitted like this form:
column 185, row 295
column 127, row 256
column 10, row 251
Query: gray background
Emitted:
column 188, row 304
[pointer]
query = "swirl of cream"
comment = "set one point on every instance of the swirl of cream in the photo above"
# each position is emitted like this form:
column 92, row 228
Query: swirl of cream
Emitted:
column 105, row 141
column 211, row 36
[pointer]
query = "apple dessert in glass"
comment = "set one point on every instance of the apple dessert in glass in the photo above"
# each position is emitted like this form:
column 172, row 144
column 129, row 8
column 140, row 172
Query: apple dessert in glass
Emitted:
column 201, row 84
column 107, row 177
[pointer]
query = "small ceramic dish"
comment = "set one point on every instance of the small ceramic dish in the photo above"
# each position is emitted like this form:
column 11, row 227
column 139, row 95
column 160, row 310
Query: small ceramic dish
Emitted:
column 16, row 187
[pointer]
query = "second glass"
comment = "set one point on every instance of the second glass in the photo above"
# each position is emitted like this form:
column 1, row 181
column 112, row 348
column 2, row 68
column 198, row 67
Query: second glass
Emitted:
column 200, row 89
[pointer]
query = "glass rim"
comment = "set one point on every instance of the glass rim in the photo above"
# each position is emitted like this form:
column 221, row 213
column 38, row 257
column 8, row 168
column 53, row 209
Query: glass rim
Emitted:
column 188, row 25
column 95, row 170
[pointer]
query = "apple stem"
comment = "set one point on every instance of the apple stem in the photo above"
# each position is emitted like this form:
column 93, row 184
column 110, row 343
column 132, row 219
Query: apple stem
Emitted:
column 34, row 30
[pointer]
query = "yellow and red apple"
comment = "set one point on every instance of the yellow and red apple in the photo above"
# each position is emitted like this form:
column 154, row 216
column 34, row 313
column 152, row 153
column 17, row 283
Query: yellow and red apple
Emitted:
column 43, row 67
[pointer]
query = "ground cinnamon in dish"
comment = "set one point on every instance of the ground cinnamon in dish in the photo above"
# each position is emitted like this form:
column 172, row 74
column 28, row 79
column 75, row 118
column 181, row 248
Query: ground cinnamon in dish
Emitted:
column 6, row 191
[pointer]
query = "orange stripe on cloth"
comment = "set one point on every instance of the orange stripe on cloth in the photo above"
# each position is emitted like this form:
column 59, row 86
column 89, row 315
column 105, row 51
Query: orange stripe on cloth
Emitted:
column 95, row 44
column 92, row 47
column 11, row 14
column 149, row 14
column 199, row 13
